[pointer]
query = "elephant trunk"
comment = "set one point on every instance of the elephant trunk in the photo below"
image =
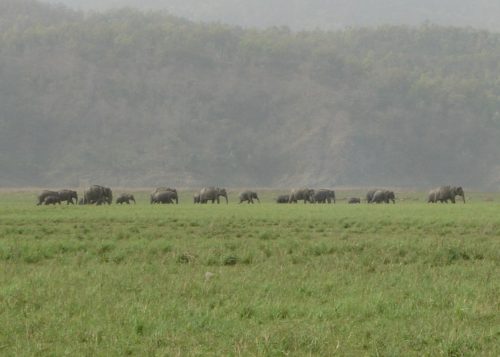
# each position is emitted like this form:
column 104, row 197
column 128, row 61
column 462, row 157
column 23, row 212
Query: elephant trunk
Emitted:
column 463, row 197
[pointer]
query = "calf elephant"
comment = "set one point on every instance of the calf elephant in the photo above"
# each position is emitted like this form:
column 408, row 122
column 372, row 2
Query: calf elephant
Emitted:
column 125, row 198
column 354, row 200
column 175, row 195
column 248, row 196
column 445, row 194
column 164, row 197
column 196, row 198
column 44, row 194
column 301, row 194
column 383, row 196
column 212, row 194
column 98, row 195
column 283, row 199
column 68, row 196
column 52, row 200
column 324, row 196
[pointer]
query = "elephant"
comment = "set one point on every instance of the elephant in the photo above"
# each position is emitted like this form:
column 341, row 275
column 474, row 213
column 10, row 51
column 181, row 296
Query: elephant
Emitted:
column 431, row 198
column 369, row 195
column 175, row 195
column 98, row 195
column 68, row 195
column 445, row 193
column 52, row 200
column 383, row 196
column 354, row 200
column 196, row 198
column 212, row 194
column 125, row 198
column 164, row 197
column 283, row 199
column 248, row 196
column 44, row 194
column 299, row 194
column 324, row 196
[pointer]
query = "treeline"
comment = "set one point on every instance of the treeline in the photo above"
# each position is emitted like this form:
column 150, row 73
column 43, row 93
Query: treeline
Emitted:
column 132, row 98
column 312, row 14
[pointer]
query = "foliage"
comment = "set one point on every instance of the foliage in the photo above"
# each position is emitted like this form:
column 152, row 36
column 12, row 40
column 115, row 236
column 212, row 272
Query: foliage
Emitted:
column 131, row 98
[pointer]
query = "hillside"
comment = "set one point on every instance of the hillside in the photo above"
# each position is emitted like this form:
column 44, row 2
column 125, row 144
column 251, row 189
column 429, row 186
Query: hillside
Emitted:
column 127, row 98
column 325, row 14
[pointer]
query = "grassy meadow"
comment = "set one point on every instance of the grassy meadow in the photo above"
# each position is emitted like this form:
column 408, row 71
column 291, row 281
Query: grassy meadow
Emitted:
column 409, row 279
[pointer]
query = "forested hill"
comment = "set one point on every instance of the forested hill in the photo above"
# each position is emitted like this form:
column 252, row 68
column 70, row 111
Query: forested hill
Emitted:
column 324, row 14
column 127, row 98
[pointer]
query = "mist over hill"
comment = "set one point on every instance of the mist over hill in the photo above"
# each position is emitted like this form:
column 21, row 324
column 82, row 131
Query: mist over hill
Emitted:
column 142, row 99
column 312, row 14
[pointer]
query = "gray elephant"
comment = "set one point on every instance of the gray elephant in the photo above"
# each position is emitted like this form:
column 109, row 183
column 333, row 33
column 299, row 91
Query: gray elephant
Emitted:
column 98, row 195
column 354, row 200
column 385, row 196
column 212, row 194
column 324, row 196
column 249, row 196
column 446, row 193
column 301, row 194
column 369, row 195
column 196, row 198
column 68, row 196
column 44, row 194
column 431, row 198
column 164, row 197
column 283, row 199
column 174, row 196
column 125, row 198
column 52, row 200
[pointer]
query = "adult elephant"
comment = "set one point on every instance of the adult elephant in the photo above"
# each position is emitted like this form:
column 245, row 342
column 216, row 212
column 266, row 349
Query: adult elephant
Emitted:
column 174, row 196
column 324, row 196
column 125, row 198
column 283, row 199
column 431, row 198
column 385, row 196
column 301, row 194
column 248, row 196
column 44, row 194
column 164, row 197
column 448, row 193
column 369, row 195
column 68, row 196
column 98, row 195
column 212, row 194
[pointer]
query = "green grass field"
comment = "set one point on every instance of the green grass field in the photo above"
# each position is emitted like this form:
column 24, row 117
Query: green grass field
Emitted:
column 409, row 279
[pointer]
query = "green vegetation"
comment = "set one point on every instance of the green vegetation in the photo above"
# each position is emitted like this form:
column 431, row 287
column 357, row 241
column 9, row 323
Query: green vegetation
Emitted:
column 311, row 14
column 409, row 279
column 132, row 99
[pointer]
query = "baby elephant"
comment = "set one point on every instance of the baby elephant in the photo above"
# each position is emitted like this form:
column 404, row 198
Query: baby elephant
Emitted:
column 248, row 196
column 354, row 200
column 125, row 198
column 52, row 200
column 283, row 199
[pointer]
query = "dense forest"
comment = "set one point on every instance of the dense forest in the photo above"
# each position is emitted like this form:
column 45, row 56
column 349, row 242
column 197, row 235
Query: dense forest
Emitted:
column 324, row 14
column 141, row 99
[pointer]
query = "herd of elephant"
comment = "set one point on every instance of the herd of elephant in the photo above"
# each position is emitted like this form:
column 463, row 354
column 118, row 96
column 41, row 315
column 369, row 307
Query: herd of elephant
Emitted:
column 98, row 195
